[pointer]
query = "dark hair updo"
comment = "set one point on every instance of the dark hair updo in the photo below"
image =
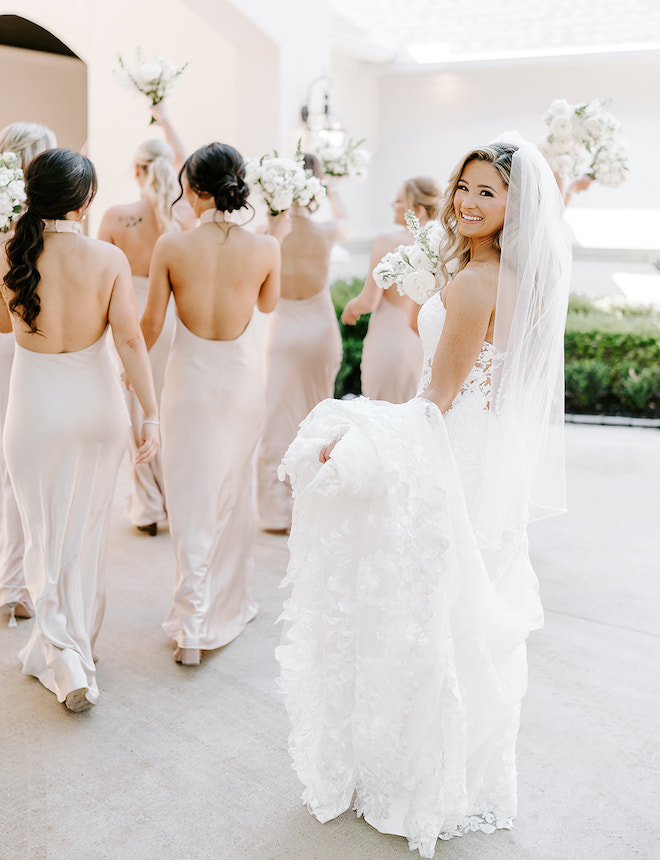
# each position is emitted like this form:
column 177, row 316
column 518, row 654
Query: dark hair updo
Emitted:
column 218, row 171
column 56, row 182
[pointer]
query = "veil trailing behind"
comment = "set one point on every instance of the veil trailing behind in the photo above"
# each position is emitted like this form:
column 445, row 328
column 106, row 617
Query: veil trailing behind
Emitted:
column 403, row 659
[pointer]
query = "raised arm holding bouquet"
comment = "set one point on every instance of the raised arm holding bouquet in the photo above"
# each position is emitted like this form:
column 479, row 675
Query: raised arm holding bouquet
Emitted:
column 584, row 145
column 155, row 79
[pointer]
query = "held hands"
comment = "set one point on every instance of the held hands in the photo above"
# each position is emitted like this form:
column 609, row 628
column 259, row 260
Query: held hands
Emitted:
column 351, row 313
column 279, row 226
column 149, row 442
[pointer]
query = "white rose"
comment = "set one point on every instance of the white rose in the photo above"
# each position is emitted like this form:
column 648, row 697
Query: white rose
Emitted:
column 167, row 67
column 420, row 286
column 147, row 74
column 17, row 190
column 6, row 176
column 6, row 205
column 9, row 159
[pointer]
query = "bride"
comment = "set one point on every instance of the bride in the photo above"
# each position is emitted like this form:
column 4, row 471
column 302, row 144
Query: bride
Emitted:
column 403, row 661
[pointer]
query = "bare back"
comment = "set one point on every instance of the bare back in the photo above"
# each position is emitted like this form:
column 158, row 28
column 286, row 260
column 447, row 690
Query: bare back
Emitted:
column 306, row 256
column 77, row 280
column 217, row 274
column 134, row 229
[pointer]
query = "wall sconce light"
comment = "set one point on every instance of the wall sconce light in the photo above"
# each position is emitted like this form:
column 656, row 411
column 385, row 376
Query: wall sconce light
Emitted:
column 320, row 124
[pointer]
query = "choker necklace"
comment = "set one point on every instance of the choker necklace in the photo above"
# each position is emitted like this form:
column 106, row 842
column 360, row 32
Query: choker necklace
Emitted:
column 61, row 226
column 209, row 215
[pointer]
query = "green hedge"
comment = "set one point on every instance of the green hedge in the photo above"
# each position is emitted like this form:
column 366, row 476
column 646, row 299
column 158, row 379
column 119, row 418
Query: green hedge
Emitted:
column 612, row 358
column 612, row 355
column 348, row 378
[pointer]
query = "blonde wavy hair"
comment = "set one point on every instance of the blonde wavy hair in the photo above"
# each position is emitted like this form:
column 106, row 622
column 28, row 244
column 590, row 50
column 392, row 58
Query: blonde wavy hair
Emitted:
column 26, row 140
column 454, row 246
column 156, row 159
column 423, row 191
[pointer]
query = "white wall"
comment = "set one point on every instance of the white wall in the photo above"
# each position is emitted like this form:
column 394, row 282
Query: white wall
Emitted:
column 423, row 122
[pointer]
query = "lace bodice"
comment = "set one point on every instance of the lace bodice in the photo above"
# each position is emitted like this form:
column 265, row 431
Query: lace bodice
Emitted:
column 477, row 385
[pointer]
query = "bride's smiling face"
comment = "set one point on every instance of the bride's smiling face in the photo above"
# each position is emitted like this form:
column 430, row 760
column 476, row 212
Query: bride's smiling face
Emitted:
column 480, row 201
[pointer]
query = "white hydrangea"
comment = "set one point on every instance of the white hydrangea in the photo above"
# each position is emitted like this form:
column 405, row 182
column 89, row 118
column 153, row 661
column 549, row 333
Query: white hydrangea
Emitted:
column 412, row 268
column 281, row 182
column 349, row 160
column 583, row 139
column 12, row 190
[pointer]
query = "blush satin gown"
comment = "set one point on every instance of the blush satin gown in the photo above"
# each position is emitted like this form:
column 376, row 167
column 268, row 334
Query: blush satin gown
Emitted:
column 147, row 497
column 13, row 588
column 65, row 434
column 303, row 357
column 212, row 416
column 392, row 355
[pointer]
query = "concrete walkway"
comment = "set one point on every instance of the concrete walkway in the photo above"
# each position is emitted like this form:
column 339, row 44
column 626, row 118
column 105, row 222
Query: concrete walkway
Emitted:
column 191, row 763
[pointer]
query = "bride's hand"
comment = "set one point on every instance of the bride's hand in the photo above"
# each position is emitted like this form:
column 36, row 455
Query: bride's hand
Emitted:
column 324, row 454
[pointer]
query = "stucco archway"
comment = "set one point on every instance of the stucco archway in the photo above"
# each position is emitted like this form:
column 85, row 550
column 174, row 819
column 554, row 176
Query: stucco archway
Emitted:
column 47, row 81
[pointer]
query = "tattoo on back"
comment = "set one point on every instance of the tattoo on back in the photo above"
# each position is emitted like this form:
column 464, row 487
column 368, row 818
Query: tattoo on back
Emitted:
column 129, row 220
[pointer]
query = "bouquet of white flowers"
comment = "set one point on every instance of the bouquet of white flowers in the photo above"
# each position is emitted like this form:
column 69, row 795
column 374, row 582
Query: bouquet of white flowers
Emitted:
column 412, row 268
column 348, row 160
column 155, row 79
column 12, row 190
column 281, row 182
column 583, row 139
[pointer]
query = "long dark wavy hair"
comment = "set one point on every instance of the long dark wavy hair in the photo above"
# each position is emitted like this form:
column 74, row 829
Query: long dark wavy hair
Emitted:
column 217, row 171
column 56, row 182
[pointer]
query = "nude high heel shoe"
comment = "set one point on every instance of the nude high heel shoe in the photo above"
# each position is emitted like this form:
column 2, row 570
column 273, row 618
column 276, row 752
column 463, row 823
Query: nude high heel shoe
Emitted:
column 188, row 656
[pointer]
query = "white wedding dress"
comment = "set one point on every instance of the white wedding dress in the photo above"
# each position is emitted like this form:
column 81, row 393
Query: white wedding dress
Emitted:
column 403, row 659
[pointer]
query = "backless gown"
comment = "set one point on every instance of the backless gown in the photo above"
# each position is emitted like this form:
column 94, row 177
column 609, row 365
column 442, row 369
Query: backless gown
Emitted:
column 147, row 496
column 65, row 434
column 13, row 588
column 303, row 357
column 392, row 355
column 212, row 416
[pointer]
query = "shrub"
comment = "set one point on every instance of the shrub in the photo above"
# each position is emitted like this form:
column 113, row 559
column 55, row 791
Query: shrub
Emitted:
column 587, row 384
column 612, row 352
column 637, row 390
column 348, row 379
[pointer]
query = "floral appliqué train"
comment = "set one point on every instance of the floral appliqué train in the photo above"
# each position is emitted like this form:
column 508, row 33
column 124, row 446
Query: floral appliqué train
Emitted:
column 403, row 660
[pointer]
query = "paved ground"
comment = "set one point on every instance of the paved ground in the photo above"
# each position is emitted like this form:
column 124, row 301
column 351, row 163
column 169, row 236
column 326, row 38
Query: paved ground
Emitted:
column 191, row 764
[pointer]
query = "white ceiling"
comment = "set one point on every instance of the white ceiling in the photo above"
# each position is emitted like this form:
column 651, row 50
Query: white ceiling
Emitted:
column 478, row 29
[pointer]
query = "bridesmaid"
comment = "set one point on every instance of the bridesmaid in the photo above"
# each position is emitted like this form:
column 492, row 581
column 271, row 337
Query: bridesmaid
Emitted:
column 135, row 228
column 213, row 396
column 25, row 140
column 66, row 424
column 303, row 347
column 392, row 353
